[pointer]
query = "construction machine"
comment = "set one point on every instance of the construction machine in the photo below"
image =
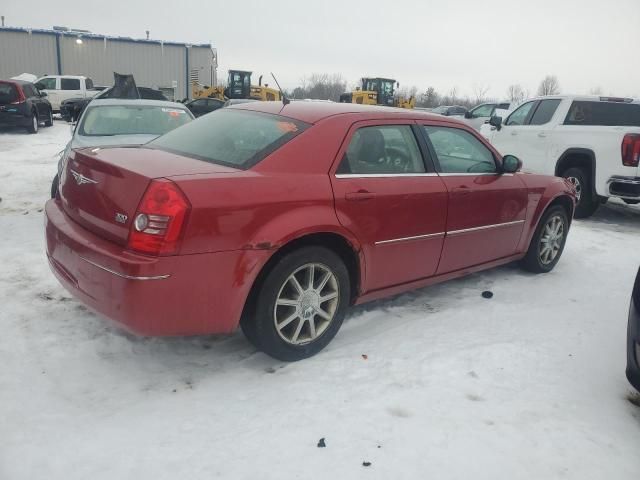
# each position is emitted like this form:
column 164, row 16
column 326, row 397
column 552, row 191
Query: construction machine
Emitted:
column 238, row 86
column 378, row 91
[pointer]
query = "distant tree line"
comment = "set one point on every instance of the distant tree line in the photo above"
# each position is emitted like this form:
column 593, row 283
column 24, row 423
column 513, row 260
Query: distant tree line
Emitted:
column 326, row 86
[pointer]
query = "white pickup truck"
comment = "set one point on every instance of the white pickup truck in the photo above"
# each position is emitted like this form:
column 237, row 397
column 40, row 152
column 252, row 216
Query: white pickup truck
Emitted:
column 63, row 87
column 592, row 141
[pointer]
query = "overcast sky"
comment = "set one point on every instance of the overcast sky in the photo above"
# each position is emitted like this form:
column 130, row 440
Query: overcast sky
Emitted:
column 443, row 43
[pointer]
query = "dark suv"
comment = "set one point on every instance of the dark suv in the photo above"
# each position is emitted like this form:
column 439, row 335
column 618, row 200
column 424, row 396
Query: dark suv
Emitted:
column 22, row 105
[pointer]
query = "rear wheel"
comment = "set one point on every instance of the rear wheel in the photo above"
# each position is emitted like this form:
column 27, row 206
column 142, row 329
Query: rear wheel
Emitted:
column 49, row 121
column 587, row 202
column 33, row 127
column 548, row 241
column 300, row 304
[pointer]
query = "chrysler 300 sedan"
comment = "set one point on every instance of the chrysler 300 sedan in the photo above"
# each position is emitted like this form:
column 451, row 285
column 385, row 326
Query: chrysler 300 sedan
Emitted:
column 278, row 217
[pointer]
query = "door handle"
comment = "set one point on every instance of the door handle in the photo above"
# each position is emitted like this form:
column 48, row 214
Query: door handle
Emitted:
column 542, row 135
column 359, row 196
column 461, row 191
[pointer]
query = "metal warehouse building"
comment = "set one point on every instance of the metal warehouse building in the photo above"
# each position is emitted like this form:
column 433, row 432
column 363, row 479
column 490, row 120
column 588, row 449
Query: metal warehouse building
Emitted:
column 169, row 66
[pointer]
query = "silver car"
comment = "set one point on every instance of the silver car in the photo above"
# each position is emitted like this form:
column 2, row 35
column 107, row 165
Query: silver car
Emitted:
column 111, row 122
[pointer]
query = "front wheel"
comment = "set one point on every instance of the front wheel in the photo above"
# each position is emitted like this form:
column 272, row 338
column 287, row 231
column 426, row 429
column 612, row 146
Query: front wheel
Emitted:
column 587, row 202
column 548, row 241
column 54, row 187
column 300, row 304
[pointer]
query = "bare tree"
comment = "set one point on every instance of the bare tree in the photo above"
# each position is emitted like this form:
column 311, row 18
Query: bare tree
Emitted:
column 549, row 86
column 480, row 92
column 429, row 99
column 516, row 94
column 321, row 86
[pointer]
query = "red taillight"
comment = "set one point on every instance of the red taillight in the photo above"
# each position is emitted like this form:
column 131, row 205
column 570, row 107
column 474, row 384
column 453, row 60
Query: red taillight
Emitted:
column 158, row 223
column 631, row 149
column 21, row 97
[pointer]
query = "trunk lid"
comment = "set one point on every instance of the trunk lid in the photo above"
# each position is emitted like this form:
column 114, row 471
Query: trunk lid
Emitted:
column 101, row 188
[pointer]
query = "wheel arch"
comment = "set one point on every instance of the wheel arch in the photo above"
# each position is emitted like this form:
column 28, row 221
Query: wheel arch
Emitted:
column 344, row 247
column 578, row 157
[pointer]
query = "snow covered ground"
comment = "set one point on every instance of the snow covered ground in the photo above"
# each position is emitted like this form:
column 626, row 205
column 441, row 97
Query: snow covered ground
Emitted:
column 527, row 385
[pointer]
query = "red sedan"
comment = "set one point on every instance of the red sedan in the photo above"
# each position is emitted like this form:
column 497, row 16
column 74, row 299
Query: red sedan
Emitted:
column 278, row 217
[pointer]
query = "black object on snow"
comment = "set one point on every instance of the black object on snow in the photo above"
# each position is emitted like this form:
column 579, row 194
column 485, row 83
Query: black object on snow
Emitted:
column 487, row 294
column 366, row 464
column 321, row 443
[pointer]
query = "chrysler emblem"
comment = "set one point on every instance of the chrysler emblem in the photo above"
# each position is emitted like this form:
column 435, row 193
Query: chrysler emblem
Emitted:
column 81, row 179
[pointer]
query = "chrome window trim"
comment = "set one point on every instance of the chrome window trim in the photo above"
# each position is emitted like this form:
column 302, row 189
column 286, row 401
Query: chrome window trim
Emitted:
column 466, row 174
column 122, row 275
column 484, row 227
column 383, row 175
column 407, row 239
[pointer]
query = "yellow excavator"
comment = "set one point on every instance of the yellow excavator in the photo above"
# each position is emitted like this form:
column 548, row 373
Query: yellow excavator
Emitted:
column 378, row 91
column 238, row 86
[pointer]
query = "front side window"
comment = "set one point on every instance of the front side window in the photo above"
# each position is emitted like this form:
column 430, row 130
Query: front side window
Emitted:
column 519, row 116
column 131, row 120
column 615, row 114
column 458, row 151
column 235, row 138
column 384, row 149
column 544, row 112
column 69, row 84
column 47, row 83
column 483, row 110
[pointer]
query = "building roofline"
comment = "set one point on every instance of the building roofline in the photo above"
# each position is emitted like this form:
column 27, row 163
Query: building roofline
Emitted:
column 96, row 36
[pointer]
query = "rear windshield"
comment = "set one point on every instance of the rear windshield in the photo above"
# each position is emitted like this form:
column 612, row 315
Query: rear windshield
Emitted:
column 235, row 138
column 8, row 93
column 108, row 120
column 604, row 114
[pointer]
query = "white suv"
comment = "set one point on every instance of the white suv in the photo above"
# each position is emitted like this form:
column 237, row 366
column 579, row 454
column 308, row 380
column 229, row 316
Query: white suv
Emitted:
column 593, row 141
column 64, row 87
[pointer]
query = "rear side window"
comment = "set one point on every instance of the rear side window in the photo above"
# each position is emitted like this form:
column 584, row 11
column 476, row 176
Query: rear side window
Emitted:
column 8, row 93
column 604, row 114
column 384, row 149
column 460, row 152
column 544, row 112
column 235, row 138
column 69, row 84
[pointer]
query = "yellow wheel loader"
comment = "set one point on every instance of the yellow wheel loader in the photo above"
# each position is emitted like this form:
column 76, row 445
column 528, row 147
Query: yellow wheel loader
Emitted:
column 378, row 91
column 238, row 86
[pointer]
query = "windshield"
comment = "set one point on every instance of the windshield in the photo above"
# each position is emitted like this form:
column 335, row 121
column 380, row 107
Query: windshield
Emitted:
column 440, row 110
column 107, row 120
column 235, row 138
column 386, row 87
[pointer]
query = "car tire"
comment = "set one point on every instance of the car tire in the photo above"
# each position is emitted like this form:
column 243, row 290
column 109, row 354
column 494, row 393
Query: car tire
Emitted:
column 587, row 202
column 49, row 121
column 54, row 187
column 33, row 127
column 546, row 246
column 286, row 297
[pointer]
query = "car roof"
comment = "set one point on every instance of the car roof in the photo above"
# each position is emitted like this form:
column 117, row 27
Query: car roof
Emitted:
column 584, row 98
column 313, row 112
column 97, row 102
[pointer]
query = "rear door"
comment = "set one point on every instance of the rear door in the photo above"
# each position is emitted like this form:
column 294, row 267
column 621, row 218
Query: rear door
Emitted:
column 71, row 88
column 486, row 208
column 389, row 196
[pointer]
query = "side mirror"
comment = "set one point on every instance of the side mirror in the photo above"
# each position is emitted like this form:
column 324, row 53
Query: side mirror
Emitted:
column 496, row 121
column 468, row 114
column 511, row 164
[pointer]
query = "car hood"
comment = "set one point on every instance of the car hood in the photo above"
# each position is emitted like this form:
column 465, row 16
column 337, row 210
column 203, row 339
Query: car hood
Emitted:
column 82, row 141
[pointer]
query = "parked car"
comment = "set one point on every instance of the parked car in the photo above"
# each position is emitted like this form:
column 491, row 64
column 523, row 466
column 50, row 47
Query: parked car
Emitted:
column 63, row 87
column 633, row 336
column 450, row 110
column 593, row 141
column 122, row 122
column 200, row 106
column 72, row 108
column 278, row 217
column 238, row 101
column 22, row 105
column 481, row 114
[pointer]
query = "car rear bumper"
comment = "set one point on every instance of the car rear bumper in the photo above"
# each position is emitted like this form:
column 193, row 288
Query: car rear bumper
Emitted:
column 624, row 187
column 14, row 119
column 633, row 347
column 156, row 296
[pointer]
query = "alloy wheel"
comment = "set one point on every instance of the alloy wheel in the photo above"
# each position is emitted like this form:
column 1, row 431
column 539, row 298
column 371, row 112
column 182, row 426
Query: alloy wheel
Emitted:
column 306, row 304
column 578, row 186
column 551, row 239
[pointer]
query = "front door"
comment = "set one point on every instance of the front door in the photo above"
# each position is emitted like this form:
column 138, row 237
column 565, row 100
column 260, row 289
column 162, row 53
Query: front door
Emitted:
column 389, row 197
column 486, row 208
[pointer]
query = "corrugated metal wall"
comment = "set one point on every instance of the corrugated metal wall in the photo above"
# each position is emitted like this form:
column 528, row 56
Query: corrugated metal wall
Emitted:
column 21, row 52
column 152, row 64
